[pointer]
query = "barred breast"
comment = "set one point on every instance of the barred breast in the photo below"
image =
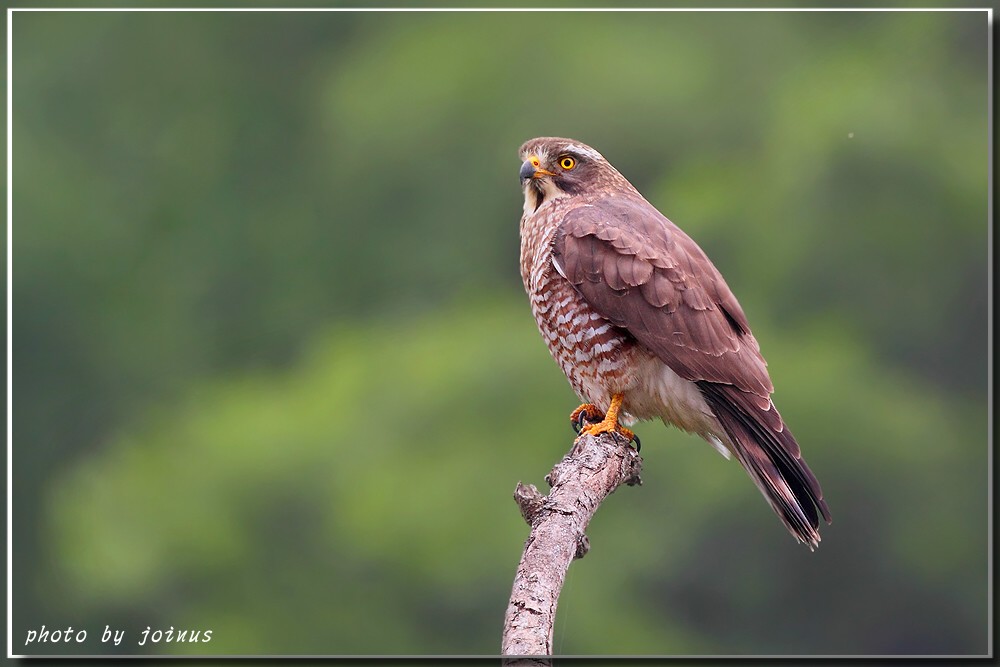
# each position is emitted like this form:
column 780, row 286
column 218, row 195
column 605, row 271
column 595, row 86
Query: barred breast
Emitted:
column 596, row 357
column 593, row 353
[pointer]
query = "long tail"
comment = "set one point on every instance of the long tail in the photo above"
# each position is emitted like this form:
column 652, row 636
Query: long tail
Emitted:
column 770, row 454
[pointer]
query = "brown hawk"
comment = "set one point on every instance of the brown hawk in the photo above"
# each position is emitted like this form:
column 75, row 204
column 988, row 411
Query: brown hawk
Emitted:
column 644, row 326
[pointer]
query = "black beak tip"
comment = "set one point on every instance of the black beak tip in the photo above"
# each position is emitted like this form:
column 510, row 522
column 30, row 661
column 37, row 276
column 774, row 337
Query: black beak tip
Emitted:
column 527, row 171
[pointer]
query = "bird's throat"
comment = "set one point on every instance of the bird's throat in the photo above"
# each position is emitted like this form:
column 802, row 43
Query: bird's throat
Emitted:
column 539, row 191
column 534, row 195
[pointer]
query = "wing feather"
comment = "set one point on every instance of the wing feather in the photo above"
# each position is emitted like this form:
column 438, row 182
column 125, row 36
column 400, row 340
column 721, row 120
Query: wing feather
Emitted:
column 642, row 272
column 645, row 275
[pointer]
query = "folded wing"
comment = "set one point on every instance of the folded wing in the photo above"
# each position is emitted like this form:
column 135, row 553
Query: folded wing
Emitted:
column 645, row 275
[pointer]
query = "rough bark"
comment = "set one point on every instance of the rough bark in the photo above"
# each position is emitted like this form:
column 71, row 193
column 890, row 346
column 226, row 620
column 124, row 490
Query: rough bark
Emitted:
column 592, row 470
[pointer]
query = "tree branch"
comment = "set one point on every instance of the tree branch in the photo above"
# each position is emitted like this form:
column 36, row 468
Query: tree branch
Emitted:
column 589, row 473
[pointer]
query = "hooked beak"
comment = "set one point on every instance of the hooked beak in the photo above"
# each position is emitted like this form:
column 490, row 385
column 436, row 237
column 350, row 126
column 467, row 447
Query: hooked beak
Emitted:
column 532, row 169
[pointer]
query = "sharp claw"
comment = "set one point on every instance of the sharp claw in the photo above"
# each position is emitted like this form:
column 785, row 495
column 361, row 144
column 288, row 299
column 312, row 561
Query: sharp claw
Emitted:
column 585, row 417
column 638, row 444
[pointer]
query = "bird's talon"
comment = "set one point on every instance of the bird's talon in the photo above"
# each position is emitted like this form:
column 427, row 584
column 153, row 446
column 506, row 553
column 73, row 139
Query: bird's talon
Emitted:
column 585, row 415
column 608, row 426
column 610, row 422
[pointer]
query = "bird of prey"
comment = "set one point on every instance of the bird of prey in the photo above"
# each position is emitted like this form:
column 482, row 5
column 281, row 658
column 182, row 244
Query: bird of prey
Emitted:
column 644, row 326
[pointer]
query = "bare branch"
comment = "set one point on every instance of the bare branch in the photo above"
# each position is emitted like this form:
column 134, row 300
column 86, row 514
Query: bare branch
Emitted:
column 588, row 474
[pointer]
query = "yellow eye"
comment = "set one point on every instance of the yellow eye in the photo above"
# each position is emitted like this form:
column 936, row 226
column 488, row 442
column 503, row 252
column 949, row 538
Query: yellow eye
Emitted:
column 566, row 162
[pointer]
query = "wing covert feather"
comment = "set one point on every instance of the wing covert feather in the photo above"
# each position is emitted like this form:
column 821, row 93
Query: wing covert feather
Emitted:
column 643, row 273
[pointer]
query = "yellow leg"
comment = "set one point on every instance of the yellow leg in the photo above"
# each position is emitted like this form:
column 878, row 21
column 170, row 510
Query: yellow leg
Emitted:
column 610, row 421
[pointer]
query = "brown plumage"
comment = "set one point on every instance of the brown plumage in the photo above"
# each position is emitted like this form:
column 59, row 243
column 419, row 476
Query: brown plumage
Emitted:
column 641, row 321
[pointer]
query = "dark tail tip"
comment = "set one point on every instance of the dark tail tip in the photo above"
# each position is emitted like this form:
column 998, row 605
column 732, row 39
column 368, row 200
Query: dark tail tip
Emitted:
column 768, row 451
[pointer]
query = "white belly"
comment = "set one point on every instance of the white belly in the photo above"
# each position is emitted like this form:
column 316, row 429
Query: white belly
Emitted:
column 662, row 394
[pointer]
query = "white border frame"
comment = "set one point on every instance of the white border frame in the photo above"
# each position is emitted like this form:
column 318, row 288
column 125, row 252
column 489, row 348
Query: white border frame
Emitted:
column 10, row 306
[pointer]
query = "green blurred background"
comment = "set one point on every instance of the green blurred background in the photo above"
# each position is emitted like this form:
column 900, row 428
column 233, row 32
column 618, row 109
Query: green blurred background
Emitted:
column 276, row 376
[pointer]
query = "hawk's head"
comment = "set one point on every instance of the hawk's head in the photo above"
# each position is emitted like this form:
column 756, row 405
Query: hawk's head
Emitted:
column 556, row 167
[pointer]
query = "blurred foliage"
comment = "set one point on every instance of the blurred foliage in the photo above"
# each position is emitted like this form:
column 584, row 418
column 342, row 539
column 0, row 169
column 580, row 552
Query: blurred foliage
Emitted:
column 276, row 376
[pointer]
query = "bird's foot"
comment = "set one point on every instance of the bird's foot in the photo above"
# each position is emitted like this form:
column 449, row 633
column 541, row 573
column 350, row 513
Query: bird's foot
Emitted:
column 585, row 415
column 609, row 424
column 613, row 427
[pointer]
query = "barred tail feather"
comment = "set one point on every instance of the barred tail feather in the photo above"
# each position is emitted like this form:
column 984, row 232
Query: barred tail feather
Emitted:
column 768, row 451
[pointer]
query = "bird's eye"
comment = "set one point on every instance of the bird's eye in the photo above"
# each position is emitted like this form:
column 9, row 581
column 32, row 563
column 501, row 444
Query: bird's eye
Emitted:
column 566, row 162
